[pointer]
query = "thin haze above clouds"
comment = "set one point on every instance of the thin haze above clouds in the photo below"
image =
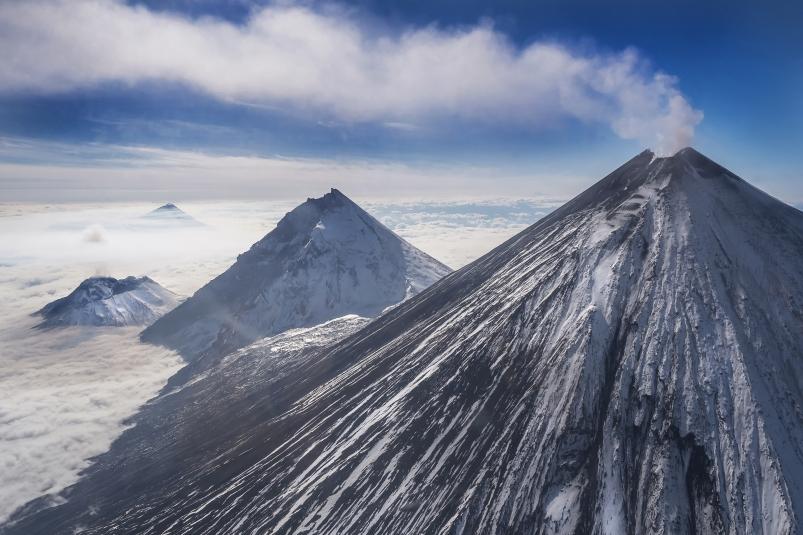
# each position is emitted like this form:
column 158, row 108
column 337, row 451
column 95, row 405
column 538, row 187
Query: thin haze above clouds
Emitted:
column 92, row 173
column 331, row 63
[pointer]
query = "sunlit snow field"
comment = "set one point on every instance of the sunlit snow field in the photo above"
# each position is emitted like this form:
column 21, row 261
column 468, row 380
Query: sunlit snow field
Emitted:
column 66, row 392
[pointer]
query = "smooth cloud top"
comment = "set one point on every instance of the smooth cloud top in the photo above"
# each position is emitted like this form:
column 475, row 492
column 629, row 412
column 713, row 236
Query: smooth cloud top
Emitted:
column 330, row 63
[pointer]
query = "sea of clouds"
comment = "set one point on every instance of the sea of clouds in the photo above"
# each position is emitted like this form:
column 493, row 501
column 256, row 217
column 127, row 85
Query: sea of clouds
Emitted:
column 68, row 392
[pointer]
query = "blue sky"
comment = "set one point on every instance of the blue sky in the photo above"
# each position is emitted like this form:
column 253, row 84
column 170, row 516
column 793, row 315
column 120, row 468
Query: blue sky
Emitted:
column 736, row 67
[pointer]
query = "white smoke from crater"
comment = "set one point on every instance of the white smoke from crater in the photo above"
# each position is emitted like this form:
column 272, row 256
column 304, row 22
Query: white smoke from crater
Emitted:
column 94, row 234
column 328, row 63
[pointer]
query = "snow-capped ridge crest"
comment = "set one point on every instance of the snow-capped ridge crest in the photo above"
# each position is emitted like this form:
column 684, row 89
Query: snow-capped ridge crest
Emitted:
column 116, row 286
column 688, row 159
column 300, row 222
column 329, row 200
column 102, row 300
column 334, row 199
column 678, row 171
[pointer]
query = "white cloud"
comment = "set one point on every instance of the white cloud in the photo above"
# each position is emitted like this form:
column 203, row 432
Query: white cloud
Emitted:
column 65, row 395
column 66, row 392
column 95, row 234
column 329, row 63
column 458, row 232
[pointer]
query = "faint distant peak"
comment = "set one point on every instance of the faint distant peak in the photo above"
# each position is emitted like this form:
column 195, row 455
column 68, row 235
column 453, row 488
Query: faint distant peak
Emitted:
column 169, row 207
column 171, row 212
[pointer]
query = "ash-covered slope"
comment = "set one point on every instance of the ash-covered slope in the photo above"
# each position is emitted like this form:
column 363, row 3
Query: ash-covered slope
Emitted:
column 629, row 364
column 106, row 301
column 325, row 259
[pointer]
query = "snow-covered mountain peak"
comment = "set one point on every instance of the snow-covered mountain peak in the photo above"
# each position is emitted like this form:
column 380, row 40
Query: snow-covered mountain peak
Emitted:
column 170, row 213
column 110, row 301
column 326, row 258
column 335, row 197
column 333, row 208
column 684, row 173
column 100, row 287
column 687, row 161
column 169, row 209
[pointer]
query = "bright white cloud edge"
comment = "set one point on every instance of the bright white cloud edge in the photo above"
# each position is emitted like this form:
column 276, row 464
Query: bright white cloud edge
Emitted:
column 329, row 62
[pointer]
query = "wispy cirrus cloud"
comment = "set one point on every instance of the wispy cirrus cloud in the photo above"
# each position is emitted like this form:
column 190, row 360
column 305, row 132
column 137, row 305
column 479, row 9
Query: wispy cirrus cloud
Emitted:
column 327, row 62
column 34, row 171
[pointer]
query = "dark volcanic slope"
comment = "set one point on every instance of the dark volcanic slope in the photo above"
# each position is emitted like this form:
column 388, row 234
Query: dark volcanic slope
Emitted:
column 629, row 364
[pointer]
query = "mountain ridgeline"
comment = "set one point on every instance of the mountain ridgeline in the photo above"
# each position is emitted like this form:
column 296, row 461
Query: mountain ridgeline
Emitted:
column 629, row 364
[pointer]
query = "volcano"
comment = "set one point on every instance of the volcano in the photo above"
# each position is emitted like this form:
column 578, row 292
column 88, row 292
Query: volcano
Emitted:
column 325, row 259
column 170, row 214
column 106, row 301
column 629, row 364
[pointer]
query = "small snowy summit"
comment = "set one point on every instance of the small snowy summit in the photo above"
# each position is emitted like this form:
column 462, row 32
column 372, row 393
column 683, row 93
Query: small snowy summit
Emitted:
column 170, row 213
column 106, row 301
column 325, row 259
